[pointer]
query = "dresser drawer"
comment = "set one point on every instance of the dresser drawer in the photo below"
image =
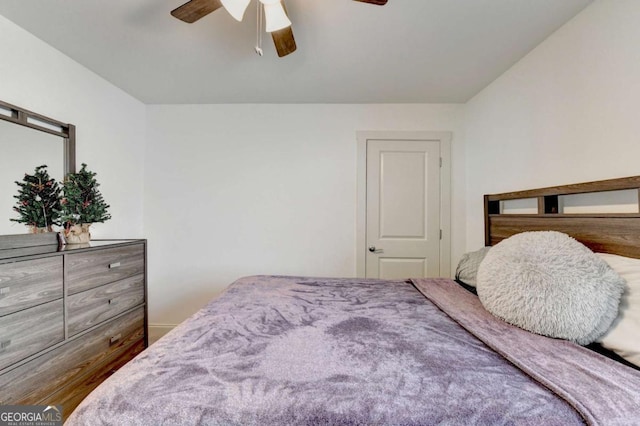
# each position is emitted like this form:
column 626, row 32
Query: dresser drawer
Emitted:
column 73, row 392
column 29, row 283
column 97, row 267
column 91, row 307
column 38, row 379
column 29, row 331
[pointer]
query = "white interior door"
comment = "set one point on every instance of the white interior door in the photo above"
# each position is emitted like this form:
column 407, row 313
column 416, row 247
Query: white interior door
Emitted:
column 403, row 209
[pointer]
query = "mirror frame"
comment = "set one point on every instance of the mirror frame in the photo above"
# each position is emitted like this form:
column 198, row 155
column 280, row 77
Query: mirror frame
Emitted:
column 45, row 124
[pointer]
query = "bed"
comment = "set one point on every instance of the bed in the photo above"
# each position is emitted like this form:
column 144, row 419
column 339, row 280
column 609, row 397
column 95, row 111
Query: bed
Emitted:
column 276, row 350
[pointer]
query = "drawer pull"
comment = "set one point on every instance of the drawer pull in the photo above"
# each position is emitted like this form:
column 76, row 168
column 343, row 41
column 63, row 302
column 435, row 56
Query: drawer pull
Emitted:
column 114, row 265
column 115, row 338
column 4, row 345
column 4, row 291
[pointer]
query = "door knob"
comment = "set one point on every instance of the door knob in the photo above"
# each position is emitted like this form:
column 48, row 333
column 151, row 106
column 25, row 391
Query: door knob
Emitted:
column 372, row 249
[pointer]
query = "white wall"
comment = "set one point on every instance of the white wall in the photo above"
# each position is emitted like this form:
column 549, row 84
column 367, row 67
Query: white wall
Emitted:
column 234, row 190
column 567, row 112
column 110, row 123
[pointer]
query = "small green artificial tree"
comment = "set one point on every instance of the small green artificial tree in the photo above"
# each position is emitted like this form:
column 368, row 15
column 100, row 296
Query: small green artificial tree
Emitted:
column 38, row 200
column 82, row 202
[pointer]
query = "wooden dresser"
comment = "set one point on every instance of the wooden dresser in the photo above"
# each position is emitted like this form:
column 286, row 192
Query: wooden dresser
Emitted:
column 70, row 316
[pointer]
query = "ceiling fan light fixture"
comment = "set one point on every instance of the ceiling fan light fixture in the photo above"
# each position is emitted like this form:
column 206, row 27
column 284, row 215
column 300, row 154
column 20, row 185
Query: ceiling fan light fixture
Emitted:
column 236, row 8
column 275, row 16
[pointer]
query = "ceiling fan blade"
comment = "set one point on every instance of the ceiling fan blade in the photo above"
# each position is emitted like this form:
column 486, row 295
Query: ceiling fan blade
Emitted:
column 378, row 2
column 284, row 41
column 193, row 10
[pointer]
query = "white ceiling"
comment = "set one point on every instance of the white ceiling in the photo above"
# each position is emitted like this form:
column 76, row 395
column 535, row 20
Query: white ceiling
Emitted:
column 408, row 51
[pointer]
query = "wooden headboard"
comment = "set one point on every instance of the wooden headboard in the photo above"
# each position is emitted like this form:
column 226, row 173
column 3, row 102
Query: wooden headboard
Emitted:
column 617, row 233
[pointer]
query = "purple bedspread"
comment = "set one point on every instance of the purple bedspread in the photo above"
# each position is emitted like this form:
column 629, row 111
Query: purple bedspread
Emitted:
column 297, row 351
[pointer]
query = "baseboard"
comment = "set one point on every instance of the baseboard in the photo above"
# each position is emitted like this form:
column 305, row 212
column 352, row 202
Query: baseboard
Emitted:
column 156, row 331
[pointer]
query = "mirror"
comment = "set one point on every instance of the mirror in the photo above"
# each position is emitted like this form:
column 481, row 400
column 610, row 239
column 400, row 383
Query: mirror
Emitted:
column 29, row 140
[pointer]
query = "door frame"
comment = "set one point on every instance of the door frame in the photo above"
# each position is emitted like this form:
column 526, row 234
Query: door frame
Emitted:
column 445, row 191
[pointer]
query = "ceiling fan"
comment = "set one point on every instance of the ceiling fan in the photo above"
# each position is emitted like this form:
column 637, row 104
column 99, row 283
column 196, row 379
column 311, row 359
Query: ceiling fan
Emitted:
column 277, row 21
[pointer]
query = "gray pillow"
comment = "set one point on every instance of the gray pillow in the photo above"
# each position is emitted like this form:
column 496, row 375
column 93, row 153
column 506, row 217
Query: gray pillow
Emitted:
column 468, row 266
column 550, row 284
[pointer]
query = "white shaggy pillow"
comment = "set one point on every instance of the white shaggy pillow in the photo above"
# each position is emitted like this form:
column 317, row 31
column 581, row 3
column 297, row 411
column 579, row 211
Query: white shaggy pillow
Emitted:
column 548, row 283
column 623, row 337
